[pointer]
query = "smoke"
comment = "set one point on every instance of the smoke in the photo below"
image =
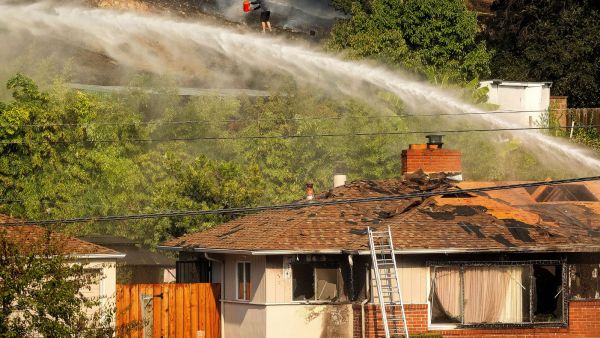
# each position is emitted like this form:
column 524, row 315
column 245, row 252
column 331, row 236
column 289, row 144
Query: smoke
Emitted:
column 195, row 50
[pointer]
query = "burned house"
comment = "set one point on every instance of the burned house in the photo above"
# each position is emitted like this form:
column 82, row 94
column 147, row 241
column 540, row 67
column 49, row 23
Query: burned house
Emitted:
column 506, row 262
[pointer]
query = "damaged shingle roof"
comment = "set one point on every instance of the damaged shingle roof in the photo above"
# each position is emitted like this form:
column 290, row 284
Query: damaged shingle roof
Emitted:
column 35, row 238
column 466, row 223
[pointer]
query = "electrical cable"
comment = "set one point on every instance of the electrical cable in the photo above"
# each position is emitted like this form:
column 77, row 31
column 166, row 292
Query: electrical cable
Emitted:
column 297, row 205
column 301, row 136
column 210, row 122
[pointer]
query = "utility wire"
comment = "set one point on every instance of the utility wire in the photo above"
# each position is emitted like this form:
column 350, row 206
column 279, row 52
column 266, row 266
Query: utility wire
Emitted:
column 210, row 122
column 301, row 136
column 298, row 205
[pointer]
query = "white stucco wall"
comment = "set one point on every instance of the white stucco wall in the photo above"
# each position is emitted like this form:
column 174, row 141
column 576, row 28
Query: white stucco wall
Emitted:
column 244, row 320
column 309, row 321
column 519, row 96
column 105, row 286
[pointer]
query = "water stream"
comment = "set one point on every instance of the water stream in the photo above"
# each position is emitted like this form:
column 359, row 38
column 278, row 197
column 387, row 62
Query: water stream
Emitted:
column 166, row 44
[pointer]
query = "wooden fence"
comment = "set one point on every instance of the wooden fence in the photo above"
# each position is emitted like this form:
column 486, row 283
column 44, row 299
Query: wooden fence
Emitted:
column 579, row 116
column 168, row 310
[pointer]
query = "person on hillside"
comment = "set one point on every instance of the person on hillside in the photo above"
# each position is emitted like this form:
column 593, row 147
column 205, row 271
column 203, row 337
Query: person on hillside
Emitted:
column 265, row 14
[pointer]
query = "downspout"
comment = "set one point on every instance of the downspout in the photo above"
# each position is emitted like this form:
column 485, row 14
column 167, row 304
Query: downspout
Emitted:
column 364, row 302
column 222, row 291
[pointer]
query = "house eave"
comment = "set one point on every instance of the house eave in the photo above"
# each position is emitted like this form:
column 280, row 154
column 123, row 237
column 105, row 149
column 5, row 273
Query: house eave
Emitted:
column 367, row 252
column 250, row 252
column 99, row 256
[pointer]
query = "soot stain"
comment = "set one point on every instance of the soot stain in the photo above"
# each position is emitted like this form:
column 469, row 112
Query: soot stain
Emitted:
column 440, row 215
column 519, row 230
column 472, row 229
column 356, row 231
column 465, row 210
column 502, row 240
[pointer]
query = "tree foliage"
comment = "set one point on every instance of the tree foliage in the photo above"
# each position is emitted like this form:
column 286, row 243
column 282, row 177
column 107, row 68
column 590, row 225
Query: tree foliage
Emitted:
column 549, row 40
column 67, row 153
column 431, row 37
column 41, row 293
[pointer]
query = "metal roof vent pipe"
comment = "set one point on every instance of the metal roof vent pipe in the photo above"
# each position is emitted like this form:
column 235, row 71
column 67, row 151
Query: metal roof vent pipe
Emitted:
column 310, row 192
column 339, row 176
column 435, row 141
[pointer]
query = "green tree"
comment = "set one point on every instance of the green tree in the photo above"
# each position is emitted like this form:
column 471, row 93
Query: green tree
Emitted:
column 549, row 40
column 41, row 292
column 431, row 37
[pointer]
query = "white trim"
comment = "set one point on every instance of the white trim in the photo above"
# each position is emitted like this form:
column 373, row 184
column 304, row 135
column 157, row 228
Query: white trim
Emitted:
column 442, row 327
column 367, row 252
column 281, row 304
column 99, row 256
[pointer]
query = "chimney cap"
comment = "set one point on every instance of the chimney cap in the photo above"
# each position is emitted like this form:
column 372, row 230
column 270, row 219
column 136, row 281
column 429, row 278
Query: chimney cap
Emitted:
column 435, row 139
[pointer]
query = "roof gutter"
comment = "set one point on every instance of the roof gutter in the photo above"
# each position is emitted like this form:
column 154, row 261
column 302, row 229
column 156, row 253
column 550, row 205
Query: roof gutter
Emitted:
column 367, row 252
column 100, row 256
column 252, row 252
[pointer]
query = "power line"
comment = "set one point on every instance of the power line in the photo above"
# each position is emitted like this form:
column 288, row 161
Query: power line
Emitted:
column 210, row 122
column 301, row 136
column 298, row 205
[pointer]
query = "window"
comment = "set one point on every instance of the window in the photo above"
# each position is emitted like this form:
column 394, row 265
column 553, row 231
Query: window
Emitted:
column 243, row 278
column 315, row 282
column 496, row 294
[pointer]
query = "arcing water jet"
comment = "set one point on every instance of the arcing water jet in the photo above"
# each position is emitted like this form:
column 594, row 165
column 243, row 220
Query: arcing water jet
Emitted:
column 168, row 45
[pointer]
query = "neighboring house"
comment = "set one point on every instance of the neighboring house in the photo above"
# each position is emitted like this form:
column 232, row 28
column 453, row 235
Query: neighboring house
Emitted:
column 497, row 264
column 140, row 266
column 530, row 100
column 93, row 257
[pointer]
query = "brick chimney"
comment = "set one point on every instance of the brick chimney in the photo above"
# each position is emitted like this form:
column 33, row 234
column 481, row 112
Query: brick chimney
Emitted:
column 431, row 158
column 310, row 192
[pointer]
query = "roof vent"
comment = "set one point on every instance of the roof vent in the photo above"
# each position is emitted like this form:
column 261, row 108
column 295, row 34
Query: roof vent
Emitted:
column 435, row 140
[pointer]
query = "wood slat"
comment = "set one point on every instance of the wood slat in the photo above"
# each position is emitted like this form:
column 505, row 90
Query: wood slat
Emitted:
column 179, row 311
column 172, row 312
column 157, row 314
column 183, row 310
column 194, row 309
column 135, row 313
column 187, row 308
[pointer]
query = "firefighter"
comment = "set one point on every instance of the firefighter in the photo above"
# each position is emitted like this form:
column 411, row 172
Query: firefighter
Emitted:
column 265, row 14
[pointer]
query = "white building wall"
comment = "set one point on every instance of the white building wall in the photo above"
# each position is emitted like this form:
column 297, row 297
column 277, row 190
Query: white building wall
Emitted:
column 104, row 288
column 414, row 281
column 533, row 97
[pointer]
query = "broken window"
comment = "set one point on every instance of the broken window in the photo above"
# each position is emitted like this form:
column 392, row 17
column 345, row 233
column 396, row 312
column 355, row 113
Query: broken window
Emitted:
column 315, row 282
column 243, row 278
column 548, row 292
column 327, row 281
column 584, row 281
column 303, row 287
column 502, row 293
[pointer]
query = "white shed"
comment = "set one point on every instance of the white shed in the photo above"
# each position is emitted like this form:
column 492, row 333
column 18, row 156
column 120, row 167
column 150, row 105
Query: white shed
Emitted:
column 529, row 100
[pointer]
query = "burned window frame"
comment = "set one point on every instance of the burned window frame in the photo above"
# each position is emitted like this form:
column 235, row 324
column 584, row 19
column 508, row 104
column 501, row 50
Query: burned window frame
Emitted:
column 575, row 270
column 314, row 266
column 564, row 292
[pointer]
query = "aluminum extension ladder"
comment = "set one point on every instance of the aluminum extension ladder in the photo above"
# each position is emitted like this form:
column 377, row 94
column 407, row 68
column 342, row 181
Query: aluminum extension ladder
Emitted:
column 388, row 284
